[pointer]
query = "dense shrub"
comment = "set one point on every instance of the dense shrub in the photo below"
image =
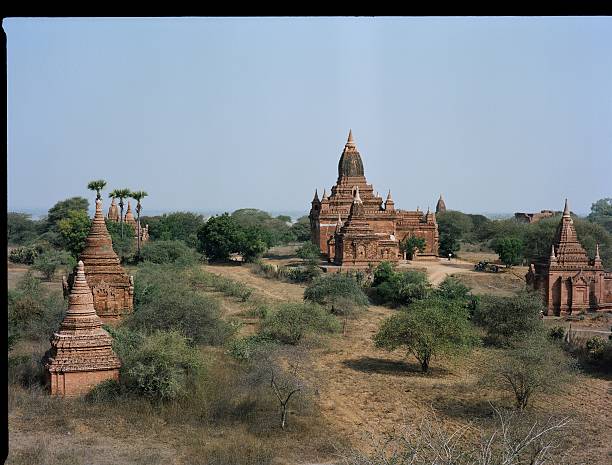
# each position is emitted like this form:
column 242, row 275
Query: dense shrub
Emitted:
column 595, row 347
column 329, row 288
column 308, row 251
column 160, row 366
column 453, row 289
column 274, row 231
column 291, row 321
column 507, row 319
column 74, row 229
column 557, row 333
column 162, row 252
column 163, row 300
column 177, row 226
column 24, row 254
column 399, row 288
column 301, row 229
column 21, row 229
column 49, row 261
column 34, row 312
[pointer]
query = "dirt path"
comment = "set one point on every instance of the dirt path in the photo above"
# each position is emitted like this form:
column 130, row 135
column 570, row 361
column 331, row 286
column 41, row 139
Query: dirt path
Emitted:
column 441, row 268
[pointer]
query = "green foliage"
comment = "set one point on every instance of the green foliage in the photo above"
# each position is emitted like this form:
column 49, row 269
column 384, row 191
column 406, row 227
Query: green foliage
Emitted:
column 74, row 229
column 203, row 279
column 219, row 237
column 97, row 186
column 26, row 254
column 175, row 226
column 223, row 235
column 428, row 328
column 331, row 289
column 601, row 213
column 161, row 366
column 452, row 289
column 275, row 231
column 49, row 261
column 454, row 226
column 508, row 319
column 174, row 251
column 411, row 244
column 292, row 321
column 308, row 251
column 124, row 243
column 301, row 229
column 165, row 300
column 509, row 249
column 61, row 210
column 34, row 311
column 20, row 228
column 246, row 348
column 535, row 365
column 398, row 288
column 556, row 333
column 293, row 274
column 595, row 346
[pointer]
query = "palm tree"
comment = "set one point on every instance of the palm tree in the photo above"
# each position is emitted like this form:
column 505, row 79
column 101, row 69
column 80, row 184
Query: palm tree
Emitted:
column 120, row 194
column 97, row 186
column 138, row 196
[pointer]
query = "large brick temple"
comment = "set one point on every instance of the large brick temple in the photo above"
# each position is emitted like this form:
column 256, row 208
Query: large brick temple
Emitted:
column 353, row 227
column 570, row 282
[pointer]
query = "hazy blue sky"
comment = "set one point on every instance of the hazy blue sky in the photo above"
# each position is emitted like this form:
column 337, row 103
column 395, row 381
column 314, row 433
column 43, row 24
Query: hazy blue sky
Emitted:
column 499, row 115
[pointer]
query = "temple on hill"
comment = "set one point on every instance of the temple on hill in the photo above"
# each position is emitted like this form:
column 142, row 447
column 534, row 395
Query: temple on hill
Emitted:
column 571, row 283
column 81, row 354
column 353, row 227
column 115, row 215
column 112, row 288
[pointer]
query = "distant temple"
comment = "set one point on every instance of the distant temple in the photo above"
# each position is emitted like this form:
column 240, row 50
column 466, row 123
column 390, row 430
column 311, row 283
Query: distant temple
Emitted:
column 115, row 215
column 112, row 288
column 569, row 281
column 534, row 217
column 440, row 206
column 353, row 227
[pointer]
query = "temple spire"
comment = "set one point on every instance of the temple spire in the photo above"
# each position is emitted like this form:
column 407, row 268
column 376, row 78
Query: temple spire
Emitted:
column 389, row 196
column 350, row 142
column 316, row 196
column 566, row 210
column 552, row 252
column 357, row 197
column 597, row 257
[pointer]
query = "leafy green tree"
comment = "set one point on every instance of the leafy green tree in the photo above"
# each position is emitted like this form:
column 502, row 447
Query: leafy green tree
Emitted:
column 169, row 252
column 601, row 213
column 399, row 288
column 49, row 261
column 219, row 237
column 252, row 243
column 61, row 209
column 274, row 230
column 428, row 329
column 412, row 244
column 182, row 226
column 301, row 229
column 452, row 289
column 308, row 252
column 97, row 186
column 533, row 366
column 453, row 226
column 510, row 250
column 507, row 319
column 74, row 229
column 20, row 228
column 123, row 244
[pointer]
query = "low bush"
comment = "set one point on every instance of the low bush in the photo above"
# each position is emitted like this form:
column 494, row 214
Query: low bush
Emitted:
column 595, row 347
column 163, row 252
column 49, row 261
column 308, row 251
column 26, row 254
column 34, row 312
column 395, row 288
column 164, row 300
column 557, row 333
column 328, row 288
column 507, row 319
column 292, row 321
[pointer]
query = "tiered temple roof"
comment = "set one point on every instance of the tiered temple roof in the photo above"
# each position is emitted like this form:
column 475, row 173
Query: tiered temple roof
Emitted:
column 568, row 250
column 113, row 211
column 81, row 353
column 112, row 288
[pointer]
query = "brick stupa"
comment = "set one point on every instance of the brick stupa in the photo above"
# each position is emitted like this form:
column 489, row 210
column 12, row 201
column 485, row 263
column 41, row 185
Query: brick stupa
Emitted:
column 113, row 211
column 81, row 354
column 112, row 288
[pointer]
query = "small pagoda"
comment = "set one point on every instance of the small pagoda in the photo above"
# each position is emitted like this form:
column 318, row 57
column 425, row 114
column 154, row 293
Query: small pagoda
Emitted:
column 112, row 288
column 81, row 354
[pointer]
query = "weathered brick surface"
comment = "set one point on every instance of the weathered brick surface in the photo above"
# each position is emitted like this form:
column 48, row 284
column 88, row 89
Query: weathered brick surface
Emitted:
column 570, row 282
column 112, row 288
column 81, row 353
column 374, row 234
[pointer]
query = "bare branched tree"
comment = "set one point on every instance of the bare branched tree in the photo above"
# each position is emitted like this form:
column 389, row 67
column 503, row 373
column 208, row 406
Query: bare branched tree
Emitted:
column 516, row 439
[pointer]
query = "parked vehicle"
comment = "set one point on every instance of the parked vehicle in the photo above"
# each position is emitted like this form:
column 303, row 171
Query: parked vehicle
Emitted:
column 487, row 267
